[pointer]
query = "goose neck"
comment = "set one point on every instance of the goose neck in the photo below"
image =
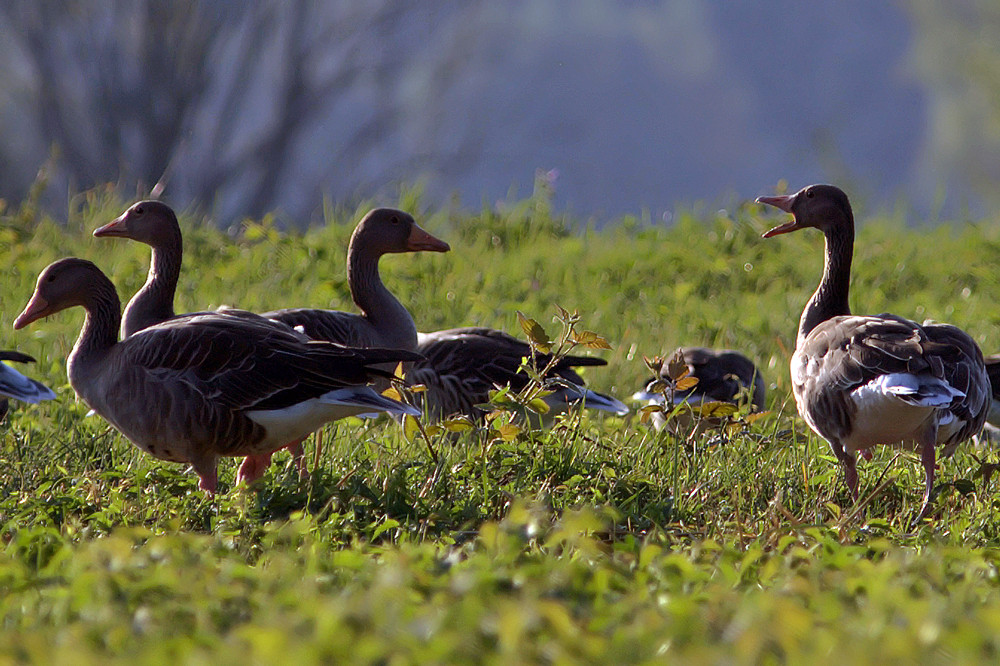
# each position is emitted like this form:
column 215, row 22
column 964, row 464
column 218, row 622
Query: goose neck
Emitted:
column 831, row 296
column 154, row 302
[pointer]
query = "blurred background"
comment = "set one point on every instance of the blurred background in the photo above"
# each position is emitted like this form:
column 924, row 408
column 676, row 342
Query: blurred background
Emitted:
column 625, row 107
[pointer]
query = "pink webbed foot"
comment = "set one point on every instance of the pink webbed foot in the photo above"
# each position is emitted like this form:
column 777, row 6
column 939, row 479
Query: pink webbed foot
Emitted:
column 866, row 454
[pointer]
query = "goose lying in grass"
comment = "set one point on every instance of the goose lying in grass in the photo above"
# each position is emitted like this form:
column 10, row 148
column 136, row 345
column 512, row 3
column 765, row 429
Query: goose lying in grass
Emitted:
column 460, row 366
column 15, row 385
column 722, row 376
column 865, row 380
column 199, row 387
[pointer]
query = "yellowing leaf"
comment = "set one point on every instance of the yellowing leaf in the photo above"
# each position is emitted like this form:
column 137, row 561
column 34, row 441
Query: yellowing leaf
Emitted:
column 418, row 388
column 507, row 431
column 659, row 386
column 676, row 367
column 717, row 409
column 592, row 340
column 411, row 427
column 684, row 383
column 655, row 364
column 647, row 412
column 398, row 372
column 536, row 334
column 433, row 430
column 392, row 393
column 750, row 418
column 458, row 424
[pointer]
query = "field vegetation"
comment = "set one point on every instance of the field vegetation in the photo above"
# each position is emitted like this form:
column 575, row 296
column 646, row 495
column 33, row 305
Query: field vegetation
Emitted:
column 597, row 540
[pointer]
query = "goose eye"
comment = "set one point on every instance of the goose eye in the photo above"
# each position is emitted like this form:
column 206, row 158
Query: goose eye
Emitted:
column 394, row 219
column 138, row 210
column 809, row 194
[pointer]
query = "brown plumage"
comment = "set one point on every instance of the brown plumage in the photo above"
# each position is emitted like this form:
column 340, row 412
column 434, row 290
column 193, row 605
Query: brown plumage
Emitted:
column 460, row 366
column 155, row 224
column 860, row 381
column 199, row 387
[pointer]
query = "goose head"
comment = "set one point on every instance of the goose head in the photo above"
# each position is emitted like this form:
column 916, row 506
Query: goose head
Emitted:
column 63, row 284
column 822, row 207
column 386, row 230
column 151, row 222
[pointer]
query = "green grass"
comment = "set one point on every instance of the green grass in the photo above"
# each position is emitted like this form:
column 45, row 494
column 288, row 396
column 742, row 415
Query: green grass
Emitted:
column 598, row 540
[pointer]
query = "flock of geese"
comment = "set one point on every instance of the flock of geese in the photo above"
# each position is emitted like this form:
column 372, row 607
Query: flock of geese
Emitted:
column 195, row 387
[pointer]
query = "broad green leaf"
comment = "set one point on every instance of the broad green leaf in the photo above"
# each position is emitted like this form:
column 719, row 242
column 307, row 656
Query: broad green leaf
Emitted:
column 538, row 406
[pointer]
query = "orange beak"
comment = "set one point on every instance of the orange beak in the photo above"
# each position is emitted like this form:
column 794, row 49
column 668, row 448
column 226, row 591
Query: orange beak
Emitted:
column 421, row 241
column 116, row 227
column 36, row 308
column 783, row 203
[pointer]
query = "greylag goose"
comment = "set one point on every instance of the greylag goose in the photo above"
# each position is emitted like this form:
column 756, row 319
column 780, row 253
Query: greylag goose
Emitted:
column 723, row 375
column 155, row 224
column 865, row 380
column 15, row 385
column 199, row 387
column 384, row 321
column 460, row 366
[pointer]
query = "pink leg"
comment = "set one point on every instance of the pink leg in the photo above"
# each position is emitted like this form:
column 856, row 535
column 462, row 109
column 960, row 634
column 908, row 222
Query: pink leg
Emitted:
column 206, row 467
column 851, row 475
column 927, row 457
column 208, row 483
column 253, row 468
column 866, row 454
column 298, row 456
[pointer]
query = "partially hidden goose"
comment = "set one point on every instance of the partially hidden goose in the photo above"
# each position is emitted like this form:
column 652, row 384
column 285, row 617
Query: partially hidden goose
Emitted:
column 196, row 388
column 723, row 375
column 993, row 372
column 865, row 380
column 383, row 321
column 155, row 224
column 460, row 366
column 15, row 385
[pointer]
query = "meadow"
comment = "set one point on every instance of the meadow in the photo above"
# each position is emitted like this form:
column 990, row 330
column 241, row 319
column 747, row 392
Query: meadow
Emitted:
column 599, row 540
